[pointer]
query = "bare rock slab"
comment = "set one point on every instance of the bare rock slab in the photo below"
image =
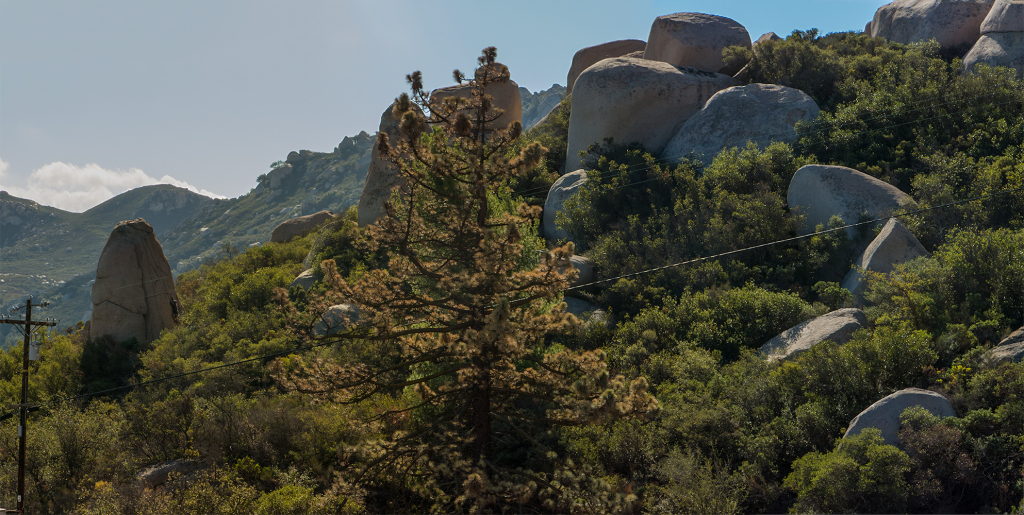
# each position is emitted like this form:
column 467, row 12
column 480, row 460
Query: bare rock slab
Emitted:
column 566, row 186
column 950, row 22
column 761, row 113
column 381, row 177
column 837, row 326
column 306, row 280
column 133, row 296
column 288, row 230
column 587, row 57
column 636, row 100
column 1011, row 349
column 884, row 415
column 894, row 245
column 695, row 40
column 821, row 191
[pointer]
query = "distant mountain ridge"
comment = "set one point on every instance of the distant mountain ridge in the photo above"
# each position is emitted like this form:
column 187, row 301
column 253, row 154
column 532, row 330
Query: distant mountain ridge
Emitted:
column 52, row 254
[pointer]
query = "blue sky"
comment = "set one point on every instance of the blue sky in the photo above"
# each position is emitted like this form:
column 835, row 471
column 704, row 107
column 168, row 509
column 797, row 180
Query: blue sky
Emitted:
column 102, row 96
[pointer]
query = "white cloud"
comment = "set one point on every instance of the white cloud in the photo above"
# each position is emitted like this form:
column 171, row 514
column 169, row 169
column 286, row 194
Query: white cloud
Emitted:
column 78, row 188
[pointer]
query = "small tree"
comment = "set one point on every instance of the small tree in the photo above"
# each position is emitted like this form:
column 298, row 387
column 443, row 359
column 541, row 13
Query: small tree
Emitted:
column 457, row 319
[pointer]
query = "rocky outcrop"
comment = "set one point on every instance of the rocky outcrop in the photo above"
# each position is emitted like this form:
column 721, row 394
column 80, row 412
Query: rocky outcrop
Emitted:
column 505, row 93
column 157, row 475
column 1005, row 16
column 290, row 229
column 766, row 37
column 837, row 326
column 336, row 319
column 695, row 40
column 951, row 22
column 381, row 176
column 586, row 311
column 895, row 244
column 536, row 106
column 587, row 57
column 636, row 100
column 1002, row 38
column 821, row 191
column 884, row 415
column 1011, row 349
column 761, row 113
column 306, row 280
column 565, row 187
column 133, row 296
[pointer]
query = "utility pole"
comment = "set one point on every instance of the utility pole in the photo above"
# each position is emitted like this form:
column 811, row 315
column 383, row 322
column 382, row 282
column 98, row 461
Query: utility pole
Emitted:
column 29, row 326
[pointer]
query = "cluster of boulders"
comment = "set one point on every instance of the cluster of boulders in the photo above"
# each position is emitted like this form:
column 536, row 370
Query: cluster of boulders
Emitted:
column 992, row 29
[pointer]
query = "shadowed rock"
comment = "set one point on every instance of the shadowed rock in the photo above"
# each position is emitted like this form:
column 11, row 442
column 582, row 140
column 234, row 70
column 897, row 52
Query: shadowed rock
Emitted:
column 837, row 326
column 133, row 296
column 895, row 244
column 884, row 415
column 821, row 191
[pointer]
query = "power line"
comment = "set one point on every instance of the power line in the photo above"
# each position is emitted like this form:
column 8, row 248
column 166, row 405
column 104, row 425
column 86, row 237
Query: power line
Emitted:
column 795, row 238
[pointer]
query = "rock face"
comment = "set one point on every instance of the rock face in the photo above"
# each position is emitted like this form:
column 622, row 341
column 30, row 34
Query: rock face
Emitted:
column 820, row 191
column 636, row 100
column 836, row 326
column 950, row 22
column 1010, row 349
column 381, row 176
column 291, row 229
column 1002, row 38
column 565, row 187
column 587, row 57
column 505, row 92
column 133, row 296
column 695, row 40
column 885, row 414
column 1005, row 16
column 761, row 113
column 998, row 49
column 895, row 244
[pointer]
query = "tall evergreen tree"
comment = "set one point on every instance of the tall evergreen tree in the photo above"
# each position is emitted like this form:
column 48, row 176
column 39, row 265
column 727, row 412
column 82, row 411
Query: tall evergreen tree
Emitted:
column 457, row 321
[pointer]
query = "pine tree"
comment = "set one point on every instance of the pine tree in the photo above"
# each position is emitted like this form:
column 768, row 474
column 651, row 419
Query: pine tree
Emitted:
column 457, row 318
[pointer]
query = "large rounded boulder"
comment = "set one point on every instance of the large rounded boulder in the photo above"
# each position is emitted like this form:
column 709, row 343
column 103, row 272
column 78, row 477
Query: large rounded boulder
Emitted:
column 504, row 91
column 822, row 191
column 1002, row 38
column 381, row 177
column 587, row 57
column 565, row 187
column 884, row 415
column 951, row 22
column 133, row 296
column 636, row 100
column 895, row 244
column 837, row 327
column 761, row 113
column 1011, row 349
column 695, row 40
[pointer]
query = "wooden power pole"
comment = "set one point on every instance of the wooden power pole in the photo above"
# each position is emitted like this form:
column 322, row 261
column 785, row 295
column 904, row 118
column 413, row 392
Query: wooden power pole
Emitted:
column 28, row 327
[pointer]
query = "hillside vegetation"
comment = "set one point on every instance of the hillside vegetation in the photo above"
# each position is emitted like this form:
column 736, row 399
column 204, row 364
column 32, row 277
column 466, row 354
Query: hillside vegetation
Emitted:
column 664, row 407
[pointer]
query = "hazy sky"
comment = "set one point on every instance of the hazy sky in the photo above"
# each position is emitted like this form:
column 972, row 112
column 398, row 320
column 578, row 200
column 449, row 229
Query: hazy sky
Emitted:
column 99, row 97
